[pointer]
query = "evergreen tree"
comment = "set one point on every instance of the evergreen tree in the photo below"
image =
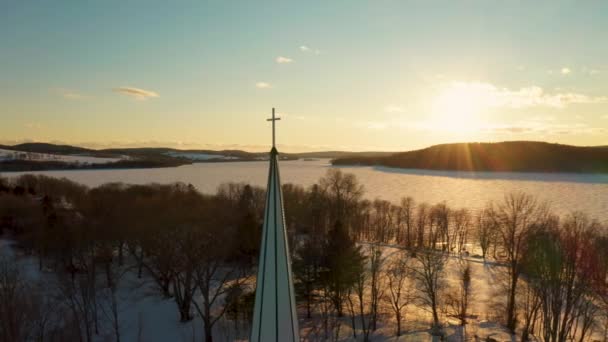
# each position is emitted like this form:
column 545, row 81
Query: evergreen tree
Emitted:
column 344, row 262
column 306, row 268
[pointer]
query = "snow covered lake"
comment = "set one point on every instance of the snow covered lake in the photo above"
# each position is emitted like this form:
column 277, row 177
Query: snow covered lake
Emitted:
column 565, row 192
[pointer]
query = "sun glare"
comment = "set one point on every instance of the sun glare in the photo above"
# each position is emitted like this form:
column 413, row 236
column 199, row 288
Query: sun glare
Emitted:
column 459, row 106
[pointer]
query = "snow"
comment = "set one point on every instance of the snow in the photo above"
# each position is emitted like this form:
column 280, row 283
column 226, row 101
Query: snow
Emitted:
column 146, row 316
column 200, row 156
column 143, row 313
column 82, row 159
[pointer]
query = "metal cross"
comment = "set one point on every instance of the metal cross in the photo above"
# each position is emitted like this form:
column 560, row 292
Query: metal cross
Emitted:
column 273, row 119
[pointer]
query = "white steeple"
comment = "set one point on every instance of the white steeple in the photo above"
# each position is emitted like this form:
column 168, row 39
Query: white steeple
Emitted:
column 274, row 316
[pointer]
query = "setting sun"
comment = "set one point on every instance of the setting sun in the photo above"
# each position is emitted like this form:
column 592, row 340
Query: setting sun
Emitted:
column 459, row 106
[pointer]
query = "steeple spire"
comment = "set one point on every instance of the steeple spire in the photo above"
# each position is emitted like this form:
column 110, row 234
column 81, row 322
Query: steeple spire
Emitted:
column 274, row 316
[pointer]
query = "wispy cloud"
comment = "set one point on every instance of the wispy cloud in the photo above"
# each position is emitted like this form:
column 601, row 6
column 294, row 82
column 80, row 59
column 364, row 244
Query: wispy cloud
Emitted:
column 283, row 60
column 69, row 94
column 605, row 117
column 308, row 49
column 263, row 85
column 565, row 71
column 137, row 93
column 74, row 96
column 590, row 71
column 487, row 95
column 538, row 128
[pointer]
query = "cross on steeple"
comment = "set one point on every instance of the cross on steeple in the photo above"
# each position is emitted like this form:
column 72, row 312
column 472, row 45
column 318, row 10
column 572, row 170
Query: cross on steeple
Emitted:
column 273, row 119
column 275, row 318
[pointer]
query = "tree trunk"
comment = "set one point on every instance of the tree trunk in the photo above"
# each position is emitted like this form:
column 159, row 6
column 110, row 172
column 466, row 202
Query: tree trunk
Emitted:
column 308, row 301
column 208, row 328
column 109, row 282
column 511, row 323
column 351, row 308
column 435, row 329
column 184, row 312
column 398, row 318
column 141, row 263
column 120, row 253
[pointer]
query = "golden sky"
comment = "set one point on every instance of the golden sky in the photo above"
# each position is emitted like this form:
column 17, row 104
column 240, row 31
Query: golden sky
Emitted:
column 363, row 75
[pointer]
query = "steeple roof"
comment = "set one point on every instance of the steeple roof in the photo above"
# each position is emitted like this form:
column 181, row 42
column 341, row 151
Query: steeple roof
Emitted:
column 274, row 316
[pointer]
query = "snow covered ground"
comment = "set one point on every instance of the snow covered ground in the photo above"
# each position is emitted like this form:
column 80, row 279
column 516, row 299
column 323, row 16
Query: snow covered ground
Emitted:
column 417, row 319
column 145, row 316
column 200, row 156
column 10, row 155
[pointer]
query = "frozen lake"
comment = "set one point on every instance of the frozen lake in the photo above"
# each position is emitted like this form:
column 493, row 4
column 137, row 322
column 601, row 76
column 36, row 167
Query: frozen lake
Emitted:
column 565, row 192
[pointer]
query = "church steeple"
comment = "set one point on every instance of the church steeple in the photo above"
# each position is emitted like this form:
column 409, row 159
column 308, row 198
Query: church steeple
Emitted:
column 274, row 316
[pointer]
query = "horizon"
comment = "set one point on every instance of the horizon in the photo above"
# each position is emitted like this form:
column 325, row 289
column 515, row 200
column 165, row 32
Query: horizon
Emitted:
column 393, row 76
column 262, row 150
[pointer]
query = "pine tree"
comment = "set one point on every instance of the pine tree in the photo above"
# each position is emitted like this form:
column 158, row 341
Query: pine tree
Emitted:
column 344, row 262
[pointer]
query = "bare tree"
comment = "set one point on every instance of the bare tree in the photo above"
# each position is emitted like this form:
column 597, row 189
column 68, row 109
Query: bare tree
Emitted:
column 407, row 217
column 422, row 221
column 110, row 302
column 399, row 286
column 485, row 230
column 377, row 285
column 360, row 290
column 514, row 218
column 561, row 264
column 529, row 305
column 343, row 191
column 184, row 283
column 78, row 293
column 214, row 271
column 459, row 300
column 20, row 315
column 382, row 221
column 459, row 233
column 440, row 216
column 430, row 278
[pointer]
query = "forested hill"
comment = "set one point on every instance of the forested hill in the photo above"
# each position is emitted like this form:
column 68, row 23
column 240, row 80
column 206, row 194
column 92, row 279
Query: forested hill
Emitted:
column 165, row 152
column 48, row 148
column 519, row 156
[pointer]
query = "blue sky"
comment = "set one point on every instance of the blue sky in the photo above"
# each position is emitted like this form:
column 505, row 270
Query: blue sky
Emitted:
column 361, row 75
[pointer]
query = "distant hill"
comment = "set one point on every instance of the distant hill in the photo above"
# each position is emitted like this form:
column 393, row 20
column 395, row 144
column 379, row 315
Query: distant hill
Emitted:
column 146, row 157
column 48, row 148
column 517, row 156
column 166, row 151
column 339, row 154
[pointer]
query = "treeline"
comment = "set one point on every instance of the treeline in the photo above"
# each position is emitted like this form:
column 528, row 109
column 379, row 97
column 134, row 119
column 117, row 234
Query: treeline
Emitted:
column 16, row 165
column 508, row 156
column 201, row 250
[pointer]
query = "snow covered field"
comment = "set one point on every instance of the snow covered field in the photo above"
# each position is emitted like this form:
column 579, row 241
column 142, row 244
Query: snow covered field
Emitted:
column 11, row 155
column 200, row 156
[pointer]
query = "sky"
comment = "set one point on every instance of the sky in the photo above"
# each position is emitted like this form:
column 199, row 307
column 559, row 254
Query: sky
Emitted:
column 343, row 75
